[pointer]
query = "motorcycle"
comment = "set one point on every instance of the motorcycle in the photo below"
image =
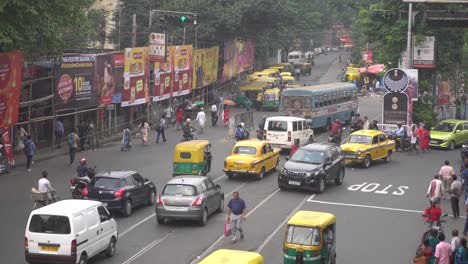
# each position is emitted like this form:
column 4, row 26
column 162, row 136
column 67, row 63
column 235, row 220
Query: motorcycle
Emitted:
column 4, row 166
column 192, row 136
column 79, row 186
column 433, row 227
column 336, row 139
column 406, row 142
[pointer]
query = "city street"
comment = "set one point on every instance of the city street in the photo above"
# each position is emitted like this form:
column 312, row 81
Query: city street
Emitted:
column 378, row 209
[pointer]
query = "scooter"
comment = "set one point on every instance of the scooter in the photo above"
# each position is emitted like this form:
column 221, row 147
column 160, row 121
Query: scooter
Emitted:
column 406, row 142
column 4, row 166
column 464, row 152
column 79, row 186
column 435, row 227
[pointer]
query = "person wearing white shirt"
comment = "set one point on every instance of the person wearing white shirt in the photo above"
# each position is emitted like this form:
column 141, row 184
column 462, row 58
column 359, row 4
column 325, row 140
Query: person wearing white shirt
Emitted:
column 214, row 114
column 201, row 118
column 435, row 190
column 43, row 185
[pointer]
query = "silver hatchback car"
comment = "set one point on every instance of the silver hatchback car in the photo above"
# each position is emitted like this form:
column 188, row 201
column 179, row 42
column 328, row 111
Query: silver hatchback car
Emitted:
column 189, row 197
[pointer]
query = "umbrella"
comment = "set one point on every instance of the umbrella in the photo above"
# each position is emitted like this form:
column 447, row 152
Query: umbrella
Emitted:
column 229, row 102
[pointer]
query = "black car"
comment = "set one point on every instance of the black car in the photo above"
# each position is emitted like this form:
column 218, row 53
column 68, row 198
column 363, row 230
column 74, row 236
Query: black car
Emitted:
column 121, row 190
column 312, row 166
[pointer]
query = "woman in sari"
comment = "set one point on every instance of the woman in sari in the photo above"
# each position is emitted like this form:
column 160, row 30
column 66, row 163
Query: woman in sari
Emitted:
column 425, row 139
column 226, row 116
column 144, row 129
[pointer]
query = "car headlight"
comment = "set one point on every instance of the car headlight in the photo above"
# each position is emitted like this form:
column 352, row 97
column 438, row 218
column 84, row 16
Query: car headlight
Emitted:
column 283, row 171
column 308, row 174
column 359, row 152
column 317, row 173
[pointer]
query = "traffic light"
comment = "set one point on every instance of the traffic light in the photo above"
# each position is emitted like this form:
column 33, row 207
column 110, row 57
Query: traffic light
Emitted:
column 175, row 19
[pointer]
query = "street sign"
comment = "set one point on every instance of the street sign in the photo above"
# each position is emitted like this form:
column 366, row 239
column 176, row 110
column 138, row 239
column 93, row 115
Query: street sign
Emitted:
column 423, row 53
column 157, row 47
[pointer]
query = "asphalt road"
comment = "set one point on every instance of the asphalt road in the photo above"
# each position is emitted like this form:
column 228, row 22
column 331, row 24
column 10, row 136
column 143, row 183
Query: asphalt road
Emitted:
column 377, row 209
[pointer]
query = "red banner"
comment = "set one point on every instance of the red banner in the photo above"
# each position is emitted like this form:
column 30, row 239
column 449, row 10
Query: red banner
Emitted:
column 7, row 145
column 11, row 67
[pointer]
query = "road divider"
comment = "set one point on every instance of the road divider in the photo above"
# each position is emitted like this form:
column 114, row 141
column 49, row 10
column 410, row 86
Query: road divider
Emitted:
column 210, row 248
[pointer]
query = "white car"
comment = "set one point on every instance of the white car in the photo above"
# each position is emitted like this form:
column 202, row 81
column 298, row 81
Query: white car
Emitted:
column 281, row 131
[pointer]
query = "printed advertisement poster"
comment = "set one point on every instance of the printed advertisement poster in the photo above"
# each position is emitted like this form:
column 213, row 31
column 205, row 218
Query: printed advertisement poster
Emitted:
column 135, row 90
column 424, row 53
column 74, row 83
column 119, row 62
column 11, row 67
column 238, row 57
column 163, row 77
column 157, row 47
column 412, row 90
column 444, row 96
column 367, row 56
column 395, row 108
column 104, row 79
column 182, row 83
column 136, row 70
column 6, row 141
column 205, row 66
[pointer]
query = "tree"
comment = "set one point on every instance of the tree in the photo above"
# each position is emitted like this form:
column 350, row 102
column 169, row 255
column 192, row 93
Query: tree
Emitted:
column 98, row 23
column 39, row 27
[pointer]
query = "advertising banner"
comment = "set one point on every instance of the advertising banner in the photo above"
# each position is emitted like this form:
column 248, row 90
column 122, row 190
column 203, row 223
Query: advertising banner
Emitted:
column 174, row 77
column 238, row 57
column 423, row 53
column 367, row 56
column 444, row 96
column 136, row 70
column 104, row 79
column 413, row 86
column 205, row 66
column 157, row 47
column 119, row 62
column 74, row 83
column 11, row 67
column 6, row 139
column 395, row 108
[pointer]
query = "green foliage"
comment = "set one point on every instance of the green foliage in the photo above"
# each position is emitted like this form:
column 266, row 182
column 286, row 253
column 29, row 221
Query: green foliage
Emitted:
column 424, row 113
column 38, row 27
column 98, row 21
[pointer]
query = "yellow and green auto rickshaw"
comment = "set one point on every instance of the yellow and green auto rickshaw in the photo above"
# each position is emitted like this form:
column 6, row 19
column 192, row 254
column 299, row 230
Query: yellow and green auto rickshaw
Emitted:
column 279, row 68
column 310, row 238
column 228, row 256
column 270, row 99
column 192, row 157
column 290, row 80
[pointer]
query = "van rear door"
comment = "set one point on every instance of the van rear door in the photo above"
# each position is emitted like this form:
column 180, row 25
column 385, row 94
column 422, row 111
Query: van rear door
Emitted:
column 91, row 241
column 277, row 132
column 49, row 235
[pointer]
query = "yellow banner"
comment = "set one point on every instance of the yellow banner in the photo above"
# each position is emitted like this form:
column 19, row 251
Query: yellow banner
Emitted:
column 136, row 61
column 205, row 66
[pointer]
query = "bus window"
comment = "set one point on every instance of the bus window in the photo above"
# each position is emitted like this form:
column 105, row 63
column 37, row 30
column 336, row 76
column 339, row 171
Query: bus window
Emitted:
column 320, row 101
column 334, row 98
column 294, row 125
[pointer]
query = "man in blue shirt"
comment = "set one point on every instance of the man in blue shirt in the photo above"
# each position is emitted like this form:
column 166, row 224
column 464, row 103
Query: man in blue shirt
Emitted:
column 400, row 133
column 236, row 215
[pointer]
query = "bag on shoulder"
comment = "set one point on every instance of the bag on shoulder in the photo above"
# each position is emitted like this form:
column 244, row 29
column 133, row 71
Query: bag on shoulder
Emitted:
column 71, row 139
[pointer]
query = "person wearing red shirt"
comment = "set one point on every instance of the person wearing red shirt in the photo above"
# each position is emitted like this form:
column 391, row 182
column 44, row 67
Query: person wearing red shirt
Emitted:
column 432, row 213
column 179, row 117
column 294, row 147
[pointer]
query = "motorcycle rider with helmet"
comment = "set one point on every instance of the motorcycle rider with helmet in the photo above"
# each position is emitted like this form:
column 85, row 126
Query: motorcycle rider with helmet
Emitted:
column 335, row 131
column 83, row 171
column 188, row 130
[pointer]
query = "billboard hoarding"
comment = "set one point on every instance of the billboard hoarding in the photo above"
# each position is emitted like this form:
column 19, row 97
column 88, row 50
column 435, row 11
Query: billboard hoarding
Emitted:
column 205, row 66
column 157, row 47
column 75, row 83
column 11, row 67
column 136, row 69
column 424, row 53
column 238, row 57
column 105, row 78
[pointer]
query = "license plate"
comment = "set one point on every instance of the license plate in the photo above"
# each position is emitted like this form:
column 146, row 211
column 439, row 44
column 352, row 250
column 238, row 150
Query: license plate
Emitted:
column 294, row 183
column 105, row 204
column 433, row 141
column 49, row 248
column 72, row 188
column 176, row 208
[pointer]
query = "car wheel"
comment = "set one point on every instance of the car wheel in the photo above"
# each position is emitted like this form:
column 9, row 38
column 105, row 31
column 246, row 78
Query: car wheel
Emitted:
column 276, row 168
column 261, row 174
column 339, row 179
column 221, row 206
column 311, row 139
column 204, row 218
column 452, row 145
column 127, row 210
column 388, row 158
column 321, row 185
column 83, row 259
column 110, row 251
column 152, row 198
column 229, row 174
column 367, row 161
column 160, row 220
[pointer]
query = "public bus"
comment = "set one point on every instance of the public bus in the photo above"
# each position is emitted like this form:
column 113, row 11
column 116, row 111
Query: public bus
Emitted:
column 321, row 104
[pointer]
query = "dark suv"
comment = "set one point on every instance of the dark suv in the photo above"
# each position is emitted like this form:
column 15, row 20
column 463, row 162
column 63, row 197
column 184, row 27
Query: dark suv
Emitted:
column 312, row 166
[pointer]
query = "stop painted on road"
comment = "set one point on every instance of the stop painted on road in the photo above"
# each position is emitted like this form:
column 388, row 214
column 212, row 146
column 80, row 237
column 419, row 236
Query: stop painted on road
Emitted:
column 372, row 187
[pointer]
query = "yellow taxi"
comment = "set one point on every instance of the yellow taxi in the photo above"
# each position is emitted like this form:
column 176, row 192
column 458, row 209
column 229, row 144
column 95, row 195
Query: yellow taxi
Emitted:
column 365, row 146
column 227, row 256
column 251, row 157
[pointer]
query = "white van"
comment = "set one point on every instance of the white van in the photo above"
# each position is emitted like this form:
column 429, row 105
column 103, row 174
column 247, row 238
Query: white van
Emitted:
column 281, row 131
column 69, row 231
column 296, row 57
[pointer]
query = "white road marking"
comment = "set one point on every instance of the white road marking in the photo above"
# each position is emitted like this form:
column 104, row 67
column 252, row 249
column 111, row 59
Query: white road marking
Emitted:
column 366, row 206
column 148, row 247
column 270, row 236
column 208, row 250
column 123, row 233
column 219, row 178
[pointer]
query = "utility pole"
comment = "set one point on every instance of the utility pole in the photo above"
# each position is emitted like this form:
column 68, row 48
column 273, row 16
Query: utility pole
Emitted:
column 196, row 31
column 183, row 40
column 134, row 31
column 409, row 42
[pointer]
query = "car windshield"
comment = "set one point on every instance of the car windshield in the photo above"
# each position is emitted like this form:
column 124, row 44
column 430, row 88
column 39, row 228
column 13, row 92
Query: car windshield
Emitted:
column 243, row 150
column 308, row 156
column 50, row 224
column 281, row 126
column 180, row 190
column 108, row 183
column 444, row 127
column 359, row 139
column 299, row 235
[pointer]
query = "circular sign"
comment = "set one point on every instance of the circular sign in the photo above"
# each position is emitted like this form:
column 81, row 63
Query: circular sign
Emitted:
column 65, row 87
column 396, row 80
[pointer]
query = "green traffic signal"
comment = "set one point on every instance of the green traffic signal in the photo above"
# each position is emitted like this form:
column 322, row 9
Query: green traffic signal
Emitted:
column 182, row 19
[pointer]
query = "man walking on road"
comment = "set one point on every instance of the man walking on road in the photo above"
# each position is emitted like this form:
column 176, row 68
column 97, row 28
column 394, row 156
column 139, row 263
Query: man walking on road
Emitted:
column 236, row 215
column 161, row 128
column 455, row 193
column 73, row 141
column 446, row 172
column 201, row 118
column 214, row 114
column 29, row 151
column 435, row 190
column 443, row 251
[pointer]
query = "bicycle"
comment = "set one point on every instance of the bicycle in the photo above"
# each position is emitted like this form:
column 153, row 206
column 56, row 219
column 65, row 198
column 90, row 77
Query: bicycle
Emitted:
column 41, row 199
